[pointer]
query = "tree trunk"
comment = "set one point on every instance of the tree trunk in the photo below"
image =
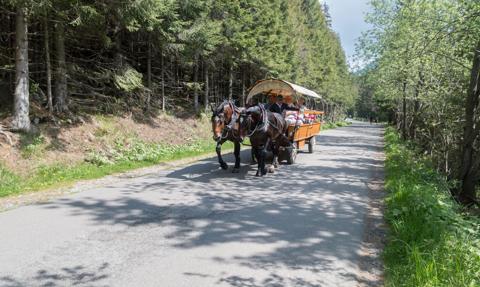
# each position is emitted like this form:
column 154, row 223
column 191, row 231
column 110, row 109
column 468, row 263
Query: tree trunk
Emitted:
column 230, row 83
column 205, row 99
column 162, row 74
column 48, row 65
column 117, row 30
column 195, row 81
column 243, row 88
column 404, row 109
column 468, row 170
column 21, row 120
column 149, row 72
column 61, row 70
column 333, row 113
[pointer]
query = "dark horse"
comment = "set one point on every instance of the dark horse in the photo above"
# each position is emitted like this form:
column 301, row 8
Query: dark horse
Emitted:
column 225, row 126
column 266, row 130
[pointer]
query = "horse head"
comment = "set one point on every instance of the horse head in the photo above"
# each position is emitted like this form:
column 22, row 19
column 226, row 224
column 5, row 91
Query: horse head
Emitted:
column 221, row 118
column 249, row 119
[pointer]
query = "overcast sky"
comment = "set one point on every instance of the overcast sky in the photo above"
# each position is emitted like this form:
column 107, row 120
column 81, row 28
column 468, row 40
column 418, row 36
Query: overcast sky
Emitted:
column 348, row 21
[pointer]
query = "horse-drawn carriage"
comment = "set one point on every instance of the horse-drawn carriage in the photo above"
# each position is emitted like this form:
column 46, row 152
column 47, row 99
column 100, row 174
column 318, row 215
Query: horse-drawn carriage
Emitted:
column 301, row 132
column 269, row 130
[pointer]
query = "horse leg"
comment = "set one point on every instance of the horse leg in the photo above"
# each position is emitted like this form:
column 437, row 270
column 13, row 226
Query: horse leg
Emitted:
column 218, row 149
column 258, row 152
column 236, row 152
column 263, row 155
column 254, row 159
column 275, row 149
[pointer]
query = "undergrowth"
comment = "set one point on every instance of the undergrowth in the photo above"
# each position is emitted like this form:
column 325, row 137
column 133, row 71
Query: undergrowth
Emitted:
column 431, row 243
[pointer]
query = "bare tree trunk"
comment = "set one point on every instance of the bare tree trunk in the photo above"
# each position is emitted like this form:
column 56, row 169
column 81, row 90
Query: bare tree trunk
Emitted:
column 214, row 88
column 21, row 120
column 333, row 113
column 149, row 72
column 48, row 65
column 162, row 72
column 404, row 109
column 416, row 106
column 61, row 70
column 205, row 99
column 230, row 82
column 468, row 172
column 243, row 88
column 118, row 58
column 195, row 81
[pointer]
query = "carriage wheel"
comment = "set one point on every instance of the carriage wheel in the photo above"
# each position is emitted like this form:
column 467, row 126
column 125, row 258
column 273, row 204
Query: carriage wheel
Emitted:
column 292, row 155
column 311, row 144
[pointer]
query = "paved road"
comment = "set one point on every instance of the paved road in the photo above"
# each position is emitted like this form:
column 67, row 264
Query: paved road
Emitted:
column 201, row 226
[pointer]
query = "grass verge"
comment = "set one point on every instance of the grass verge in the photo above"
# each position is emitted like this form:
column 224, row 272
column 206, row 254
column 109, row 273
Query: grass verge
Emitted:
column 431, row 243
column 119, row 159
column 332, row 125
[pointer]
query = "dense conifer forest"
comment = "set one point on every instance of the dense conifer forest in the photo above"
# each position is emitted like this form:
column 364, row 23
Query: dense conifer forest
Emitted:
column 65, row 58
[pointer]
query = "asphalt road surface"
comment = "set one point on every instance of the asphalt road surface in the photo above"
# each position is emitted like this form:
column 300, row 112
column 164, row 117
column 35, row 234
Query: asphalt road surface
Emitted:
column 198, row 225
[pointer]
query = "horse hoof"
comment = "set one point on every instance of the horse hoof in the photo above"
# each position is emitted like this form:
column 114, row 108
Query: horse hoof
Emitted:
column 224, row 166
column 236, row 170
column 271, row 169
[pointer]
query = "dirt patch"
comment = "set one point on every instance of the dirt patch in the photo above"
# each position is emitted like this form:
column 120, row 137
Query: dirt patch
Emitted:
column 167, row 129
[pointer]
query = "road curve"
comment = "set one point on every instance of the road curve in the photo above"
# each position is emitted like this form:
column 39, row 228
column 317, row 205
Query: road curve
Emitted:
column 202, row 226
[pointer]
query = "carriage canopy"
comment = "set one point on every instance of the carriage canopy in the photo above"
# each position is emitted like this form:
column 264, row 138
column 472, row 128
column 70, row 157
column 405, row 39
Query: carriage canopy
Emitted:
column 279, row 87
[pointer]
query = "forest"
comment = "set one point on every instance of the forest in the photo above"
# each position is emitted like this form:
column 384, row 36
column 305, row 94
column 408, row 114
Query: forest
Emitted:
column 60, row 59
column 94, row 88
column 422, row 73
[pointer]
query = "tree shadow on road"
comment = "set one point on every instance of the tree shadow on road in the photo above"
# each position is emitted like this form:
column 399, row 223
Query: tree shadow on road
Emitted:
column 68, row 276
column 203, row 206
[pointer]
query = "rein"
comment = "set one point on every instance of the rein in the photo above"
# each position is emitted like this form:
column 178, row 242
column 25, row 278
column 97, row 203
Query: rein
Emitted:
column 263, row 125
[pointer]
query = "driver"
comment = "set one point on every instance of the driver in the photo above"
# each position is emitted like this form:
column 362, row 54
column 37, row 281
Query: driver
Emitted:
column 280, row 106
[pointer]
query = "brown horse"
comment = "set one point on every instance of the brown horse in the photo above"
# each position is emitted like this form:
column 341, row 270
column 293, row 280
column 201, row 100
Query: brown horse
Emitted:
column 266, row 131
column 225, row 126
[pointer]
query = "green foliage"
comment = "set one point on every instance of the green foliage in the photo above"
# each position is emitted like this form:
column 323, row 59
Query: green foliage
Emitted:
column 125, row 150
column 9, row 182
column 419, row 53
column 32, row 145
column 430, row 242
column 128, row 80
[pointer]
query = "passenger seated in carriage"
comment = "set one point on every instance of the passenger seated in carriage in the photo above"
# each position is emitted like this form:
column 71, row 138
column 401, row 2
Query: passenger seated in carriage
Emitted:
column 299, row 116
column 280, row 106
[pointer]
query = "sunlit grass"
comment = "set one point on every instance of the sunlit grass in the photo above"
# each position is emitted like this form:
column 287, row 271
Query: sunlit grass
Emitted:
column 123, row 158
column 332, row 125
column 431, row 243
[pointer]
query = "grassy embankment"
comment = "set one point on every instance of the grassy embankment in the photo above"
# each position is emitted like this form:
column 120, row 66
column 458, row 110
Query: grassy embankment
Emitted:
column 431, row 243
column 137, row 156
column 120, row 152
